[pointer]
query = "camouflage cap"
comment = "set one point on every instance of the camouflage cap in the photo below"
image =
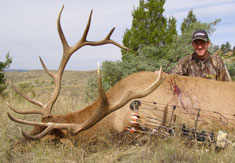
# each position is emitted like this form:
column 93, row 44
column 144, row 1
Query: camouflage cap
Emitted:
column 200, row 35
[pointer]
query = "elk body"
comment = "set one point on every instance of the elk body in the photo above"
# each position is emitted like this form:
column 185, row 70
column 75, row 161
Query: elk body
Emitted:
column 212, row 98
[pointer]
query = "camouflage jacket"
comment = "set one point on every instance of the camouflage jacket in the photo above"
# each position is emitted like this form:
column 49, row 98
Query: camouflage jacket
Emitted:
column 211, row 68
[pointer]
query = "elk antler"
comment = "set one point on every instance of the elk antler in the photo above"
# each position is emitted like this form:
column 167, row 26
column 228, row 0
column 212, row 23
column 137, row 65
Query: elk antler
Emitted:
column 102, row 109
column 67, row 52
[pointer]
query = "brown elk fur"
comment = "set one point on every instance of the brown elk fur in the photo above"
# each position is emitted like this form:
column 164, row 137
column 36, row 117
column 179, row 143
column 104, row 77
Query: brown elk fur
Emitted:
column 210, row 96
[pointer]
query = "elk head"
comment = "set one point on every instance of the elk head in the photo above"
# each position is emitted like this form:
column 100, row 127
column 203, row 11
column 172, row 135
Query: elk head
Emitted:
column 75, row 122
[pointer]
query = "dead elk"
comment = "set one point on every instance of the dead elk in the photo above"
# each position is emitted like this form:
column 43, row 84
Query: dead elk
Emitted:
column 212, row 102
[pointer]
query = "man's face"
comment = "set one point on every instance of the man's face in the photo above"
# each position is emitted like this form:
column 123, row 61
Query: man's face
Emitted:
column 201, row 48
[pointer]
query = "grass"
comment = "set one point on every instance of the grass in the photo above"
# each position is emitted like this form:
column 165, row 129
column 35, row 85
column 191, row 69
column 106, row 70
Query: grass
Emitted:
column 107, row 147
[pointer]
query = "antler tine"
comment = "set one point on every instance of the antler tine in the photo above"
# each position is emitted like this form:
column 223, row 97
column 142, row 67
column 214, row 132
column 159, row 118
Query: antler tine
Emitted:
column 25, row 112
column 110, row 34
column 132, row 95
column 49, row 127
column 26, row 122
column 114, row 42
column 102, row 94
column 60, row 31
column 106, row 40
column 155, row 84
column 84, row 36
column 45, row 68
column 33, row 101
column 36, row 137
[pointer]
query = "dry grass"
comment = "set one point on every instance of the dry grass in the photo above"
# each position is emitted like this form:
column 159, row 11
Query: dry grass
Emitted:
column 111, row 147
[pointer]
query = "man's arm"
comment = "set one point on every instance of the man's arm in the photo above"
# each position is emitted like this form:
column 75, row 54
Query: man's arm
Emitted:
column 222, row 71
column 181, row 67
column 178, row 69
column 227, row 75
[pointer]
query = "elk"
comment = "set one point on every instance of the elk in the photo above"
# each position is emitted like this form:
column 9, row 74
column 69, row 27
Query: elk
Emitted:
column 85, row 118
column 191, row 96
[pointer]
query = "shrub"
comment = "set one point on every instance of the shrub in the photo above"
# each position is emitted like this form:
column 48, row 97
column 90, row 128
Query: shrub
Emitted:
column 231, row 69
column 4, row 65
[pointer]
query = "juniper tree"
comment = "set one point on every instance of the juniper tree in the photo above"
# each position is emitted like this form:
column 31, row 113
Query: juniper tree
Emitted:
column 149, row 27
column 3, row 66
column 188, row 21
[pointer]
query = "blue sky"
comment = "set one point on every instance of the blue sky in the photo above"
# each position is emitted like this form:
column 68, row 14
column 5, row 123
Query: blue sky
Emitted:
column 28, row 28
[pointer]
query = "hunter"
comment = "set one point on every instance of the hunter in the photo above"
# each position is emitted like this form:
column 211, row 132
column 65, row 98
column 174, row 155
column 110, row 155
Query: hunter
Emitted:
column 201, row 63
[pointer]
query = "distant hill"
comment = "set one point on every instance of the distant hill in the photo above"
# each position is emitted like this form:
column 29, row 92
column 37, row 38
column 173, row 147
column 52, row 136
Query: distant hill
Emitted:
column 18, row 70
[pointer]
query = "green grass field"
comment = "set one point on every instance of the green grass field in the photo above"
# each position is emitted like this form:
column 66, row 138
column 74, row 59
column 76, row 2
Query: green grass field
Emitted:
column 111, row 147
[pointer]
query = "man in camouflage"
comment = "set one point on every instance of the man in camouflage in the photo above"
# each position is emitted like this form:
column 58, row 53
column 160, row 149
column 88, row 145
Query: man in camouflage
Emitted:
column 201, row 63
